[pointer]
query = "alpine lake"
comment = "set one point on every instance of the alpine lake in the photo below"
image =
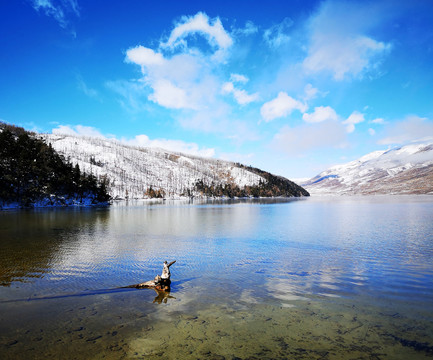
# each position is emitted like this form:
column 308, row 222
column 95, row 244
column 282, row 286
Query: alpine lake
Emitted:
column 310, row 278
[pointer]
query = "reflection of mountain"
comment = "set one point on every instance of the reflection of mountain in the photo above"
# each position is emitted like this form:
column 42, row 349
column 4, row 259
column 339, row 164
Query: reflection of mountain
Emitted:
column 31, row 241
column 405, row 170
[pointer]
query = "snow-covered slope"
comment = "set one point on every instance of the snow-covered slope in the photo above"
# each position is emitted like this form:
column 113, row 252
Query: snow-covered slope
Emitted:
column 404, row 170
column 132, row 170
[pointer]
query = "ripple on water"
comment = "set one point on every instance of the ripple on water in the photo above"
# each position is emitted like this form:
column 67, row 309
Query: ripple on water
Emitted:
column 294, row 280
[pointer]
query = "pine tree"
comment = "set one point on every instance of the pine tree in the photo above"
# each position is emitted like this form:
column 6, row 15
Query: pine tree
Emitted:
column 31, row 170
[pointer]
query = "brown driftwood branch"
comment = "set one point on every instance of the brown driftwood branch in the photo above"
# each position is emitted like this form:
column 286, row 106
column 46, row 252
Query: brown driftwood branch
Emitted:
column 160, row 282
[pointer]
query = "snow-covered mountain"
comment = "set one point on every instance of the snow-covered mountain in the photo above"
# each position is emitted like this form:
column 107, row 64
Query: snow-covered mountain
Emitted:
column 404, row 170
column 133, row 170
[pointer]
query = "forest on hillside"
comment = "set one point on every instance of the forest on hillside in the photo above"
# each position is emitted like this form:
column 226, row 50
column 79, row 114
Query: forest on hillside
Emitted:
column 274, row 186
column 32, row 173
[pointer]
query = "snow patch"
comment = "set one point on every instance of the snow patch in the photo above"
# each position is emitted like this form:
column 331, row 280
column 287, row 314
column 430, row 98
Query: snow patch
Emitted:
column 381, row 171
column 132, row 170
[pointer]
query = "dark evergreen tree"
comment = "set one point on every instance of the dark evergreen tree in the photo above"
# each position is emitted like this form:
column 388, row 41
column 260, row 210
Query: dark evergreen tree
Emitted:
column 31, row 171
column 273, row 186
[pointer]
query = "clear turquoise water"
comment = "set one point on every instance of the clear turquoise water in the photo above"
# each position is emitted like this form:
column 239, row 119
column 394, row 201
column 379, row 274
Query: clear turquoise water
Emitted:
column 317, row 278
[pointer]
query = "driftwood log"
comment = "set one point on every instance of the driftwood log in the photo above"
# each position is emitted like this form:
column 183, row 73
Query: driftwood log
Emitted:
column 160, row 282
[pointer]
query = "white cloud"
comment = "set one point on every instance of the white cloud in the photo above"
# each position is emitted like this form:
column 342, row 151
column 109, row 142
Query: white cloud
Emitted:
column 218, row 120
column 206, row 121
column 282, row 105
column 78, row 130
column 277, row 35
column 236, row 157
column 238, row 78
column 132, row 94
column 355, row 118
column 188, row 80
column 181, row 69
column 212, row 29
column 321, row 113
column 184, row 81
column 249, row 29
column 338, row 44
column 183, row 78
column 166, row 94
column 145, row 57
column 411, row 129
column 57, row 9
column 308, row 137
column 310, row 92
column 241, row 96
column 179, row 77
column 228, row 88
column 50, row 10
column 378, row 121
column 171, row 145
column 371, row 131
column 139, row 140
column 92, row 93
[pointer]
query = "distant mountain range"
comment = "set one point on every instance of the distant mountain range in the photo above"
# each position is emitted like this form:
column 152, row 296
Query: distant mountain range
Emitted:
column 403, row 170
column 137, row 172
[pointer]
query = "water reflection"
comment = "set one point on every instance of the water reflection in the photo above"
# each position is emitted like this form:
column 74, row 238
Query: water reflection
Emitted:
column 31, row 240
column 332, row 248
column 162, row 296
column 301, row 279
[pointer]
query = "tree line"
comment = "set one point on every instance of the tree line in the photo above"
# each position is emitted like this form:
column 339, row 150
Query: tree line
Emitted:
column 277, row 185
column 271, row 186
column 32, row 171
column 274, row 186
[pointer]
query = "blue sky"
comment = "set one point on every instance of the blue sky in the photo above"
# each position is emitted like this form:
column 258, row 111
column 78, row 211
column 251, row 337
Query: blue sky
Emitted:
column 291, row 87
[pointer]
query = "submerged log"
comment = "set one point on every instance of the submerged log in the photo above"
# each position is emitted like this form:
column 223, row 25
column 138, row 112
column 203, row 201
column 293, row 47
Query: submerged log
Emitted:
column 160, row 282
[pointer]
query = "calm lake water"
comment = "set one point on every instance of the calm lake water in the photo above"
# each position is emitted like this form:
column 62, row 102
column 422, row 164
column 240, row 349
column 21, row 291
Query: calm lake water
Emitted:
column 317, row 278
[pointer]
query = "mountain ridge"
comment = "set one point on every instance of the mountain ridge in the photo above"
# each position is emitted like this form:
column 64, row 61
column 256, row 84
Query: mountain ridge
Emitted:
column 143, row 172
column 403, row 170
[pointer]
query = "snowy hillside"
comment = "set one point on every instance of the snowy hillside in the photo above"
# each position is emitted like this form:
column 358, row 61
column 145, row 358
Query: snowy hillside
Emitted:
column 133, row 170
column 405, row 170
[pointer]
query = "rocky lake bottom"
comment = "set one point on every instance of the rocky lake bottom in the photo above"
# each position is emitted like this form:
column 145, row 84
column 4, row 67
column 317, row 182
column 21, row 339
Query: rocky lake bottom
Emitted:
column 307, row 279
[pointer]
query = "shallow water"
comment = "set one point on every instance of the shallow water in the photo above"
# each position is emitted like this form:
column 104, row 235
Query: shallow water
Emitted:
column 317, row 278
